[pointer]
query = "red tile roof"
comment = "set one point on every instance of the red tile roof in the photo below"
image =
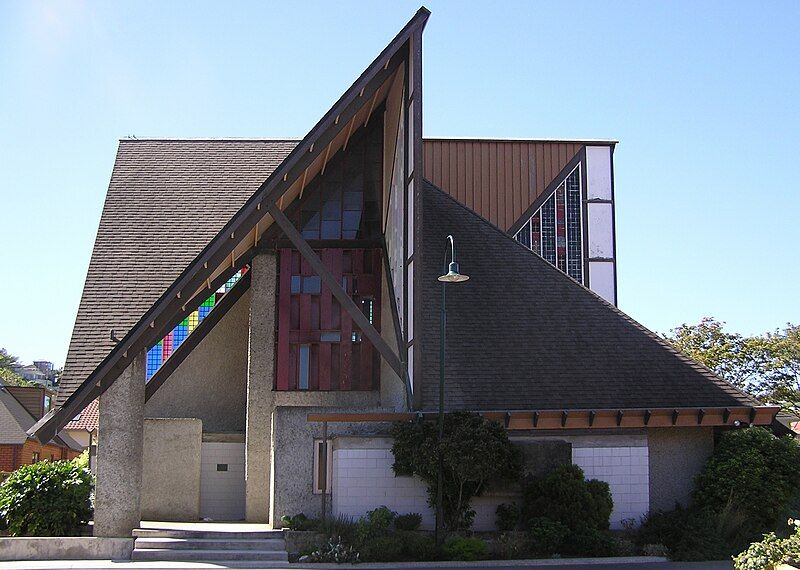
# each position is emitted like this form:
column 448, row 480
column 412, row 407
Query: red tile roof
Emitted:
column 87, row 419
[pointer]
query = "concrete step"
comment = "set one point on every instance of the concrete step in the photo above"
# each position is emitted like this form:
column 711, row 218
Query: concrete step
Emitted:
column 207, row 534
column 175, row 555
column 211, row 543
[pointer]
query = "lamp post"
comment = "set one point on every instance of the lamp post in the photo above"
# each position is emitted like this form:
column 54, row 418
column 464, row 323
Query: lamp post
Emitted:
column 450, row 275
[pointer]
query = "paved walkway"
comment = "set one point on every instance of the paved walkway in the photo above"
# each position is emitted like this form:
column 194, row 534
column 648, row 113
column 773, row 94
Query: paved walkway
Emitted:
column 560, row 564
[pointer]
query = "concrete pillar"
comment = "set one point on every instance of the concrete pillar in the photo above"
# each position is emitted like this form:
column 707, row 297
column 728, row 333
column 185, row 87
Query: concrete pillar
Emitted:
column 118, row 494
column 260, row 378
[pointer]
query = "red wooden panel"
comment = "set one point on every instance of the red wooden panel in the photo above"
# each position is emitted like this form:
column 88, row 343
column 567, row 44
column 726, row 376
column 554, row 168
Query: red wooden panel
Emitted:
column 284, row 316
column 313, row 367
column 346, row 348
column 325, row 366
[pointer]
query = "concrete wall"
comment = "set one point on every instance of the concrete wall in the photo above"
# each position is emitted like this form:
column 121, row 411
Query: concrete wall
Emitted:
column 171, row 469
column 65, row 548
column 211, row 383
column 676, row 456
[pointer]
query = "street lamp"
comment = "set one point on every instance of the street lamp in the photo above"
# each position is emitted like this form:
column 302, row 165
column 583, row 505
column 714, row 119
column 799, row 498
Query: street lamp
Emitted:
column 451, row 275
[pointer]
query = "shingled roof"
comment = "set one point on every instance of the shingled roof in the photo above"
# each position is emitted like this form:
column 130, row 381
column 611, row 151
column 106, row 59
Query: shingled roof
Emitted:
column 523, row 335
column 165, row 201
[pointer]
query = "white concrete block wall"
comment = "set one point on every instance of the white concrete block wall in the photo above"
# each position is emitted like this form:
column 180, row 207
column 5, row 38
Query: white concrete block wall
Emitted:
column 625, row 469
column 222, row 492
column 363, row 480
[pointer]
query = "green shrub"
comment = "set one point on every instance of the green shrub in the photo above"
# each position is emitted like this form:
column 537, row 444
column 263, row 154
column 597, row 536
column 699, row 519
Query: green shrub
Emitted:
column 510, row 545
column 663, row 527
column 399, row 547
column 410, row 521
column 771, row 551
column 465, row 549
column 751, row 472
column 476, row 453
column 689, row 534
column 546, row 536
column 48, row 498
column 507, row 517
column 342, row 527
column 563, row 495
column 589, row 542
column 375, row 524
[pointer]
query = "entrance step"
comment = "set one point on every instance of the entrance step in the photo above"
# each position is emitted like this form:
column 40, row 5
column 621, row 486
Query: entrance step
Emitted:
column 207, row 545
column 175, row 555
column 210, row 543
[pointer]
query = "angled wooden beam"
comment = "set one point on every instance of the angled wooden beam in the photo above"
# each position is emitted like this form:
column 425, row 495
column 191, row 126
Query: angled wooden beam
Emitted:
column 197, row 335
column 335, row 287
column 398, row 331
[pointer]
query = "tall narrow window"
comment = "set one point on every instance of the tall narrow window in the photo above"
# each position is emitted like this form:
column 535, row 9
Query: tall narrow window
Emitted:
column 305, row 357
column 555, row 230
column 321, row 468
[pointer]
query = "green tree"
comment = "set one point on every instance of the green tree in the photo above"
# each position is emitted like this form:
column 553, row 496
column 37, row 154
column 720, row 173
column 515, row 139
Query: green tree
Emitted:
column 476, row 454
column 767, row 366
column 8, row 362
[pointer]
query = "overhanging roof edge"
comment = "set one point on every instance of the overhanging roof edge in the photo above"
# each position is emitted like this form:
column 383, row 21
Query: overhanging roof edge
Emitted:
column 116, row 360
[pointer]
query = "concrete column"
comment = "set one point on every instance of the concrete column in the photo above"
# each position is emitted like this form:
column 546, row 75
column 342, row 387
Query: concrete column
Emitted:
column 119, row 453
column 260, row 378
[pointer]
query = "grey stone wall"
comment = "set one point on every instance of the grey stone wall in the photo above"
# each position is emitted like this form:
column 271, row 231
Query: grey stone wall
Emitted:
column 171, row 469
column 676, row 456
column 293, row 461
column 210, row 384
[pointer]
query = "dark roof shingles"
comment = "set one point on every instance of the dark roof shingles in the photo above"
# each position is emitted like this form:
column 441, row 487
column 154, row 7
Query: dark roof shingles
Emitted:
column 165, row 201
column 523, row 335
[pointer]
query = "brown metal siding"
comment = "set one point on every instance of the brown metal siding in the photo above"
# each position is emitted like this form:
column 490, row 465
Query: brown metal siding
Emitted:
column 497, row 179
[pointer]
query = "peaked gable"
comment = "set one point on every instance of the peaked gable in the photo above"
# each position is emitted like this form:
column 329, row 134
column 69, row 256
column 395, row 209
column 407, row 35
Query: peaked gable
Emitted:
column 522, row 335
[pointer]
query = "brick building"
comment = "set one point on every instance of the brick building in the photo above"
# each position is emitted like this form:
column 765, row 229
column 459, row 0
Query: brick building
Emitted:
column 20, row 408
column 256, row 312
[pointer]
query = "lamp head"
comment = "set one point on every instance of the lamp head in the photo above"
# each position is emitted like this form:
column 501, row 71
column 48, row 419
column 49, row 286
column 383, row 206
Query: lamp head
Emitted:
column 453, row 276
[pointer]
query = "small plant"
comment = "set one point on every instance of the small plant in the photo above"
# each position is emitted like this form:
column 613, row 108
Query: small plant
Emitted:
column 342, row 526
column 510, row 545
column 507, row 517
column 465, row 549
column 374, row 525
column 335, row 551
column 411, row 521
column 48, row 498
column 546, row 536
column 298, row 522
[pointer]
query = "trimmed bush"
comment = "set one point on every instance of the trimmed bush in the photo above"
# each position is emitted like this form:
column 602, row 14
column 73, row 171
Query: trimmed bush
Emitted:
column 465, row 549
column 507, row 517
column 48, row 498
column 589, row 542
column 563, row 495
column 410, row 521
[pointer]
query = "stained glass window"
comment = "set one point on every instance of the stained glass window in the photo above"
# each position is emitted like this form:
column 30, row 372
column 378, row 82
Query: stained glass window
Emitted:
column 165, row 347
column 555, row 230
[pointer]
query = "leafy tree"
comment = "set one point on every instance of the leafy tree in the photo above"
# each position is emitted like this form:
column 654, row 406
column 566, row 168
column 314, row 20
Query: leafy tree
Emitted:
column 8, row 376
column 476, row 454
column 767, row 366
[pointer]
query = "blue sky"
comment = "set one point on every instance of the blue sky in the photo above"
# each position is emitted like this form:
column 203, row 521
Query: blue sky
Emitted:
column 703, row 97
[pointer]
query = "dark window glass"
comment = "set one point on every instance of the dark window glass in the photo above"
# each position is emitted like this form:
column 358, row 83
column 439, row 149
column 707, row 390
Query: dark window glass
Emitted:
column 330, row 337
column 303, row 368
column 311, row 285
column 331, row 230
column 295, row 284
column 222, row 466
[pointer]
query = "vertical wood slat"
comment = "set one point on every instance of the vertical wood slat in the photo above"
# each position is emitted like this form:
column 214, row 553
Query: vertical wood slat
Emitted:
column 284, row 314
column 497, row 179
column 325, row 308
